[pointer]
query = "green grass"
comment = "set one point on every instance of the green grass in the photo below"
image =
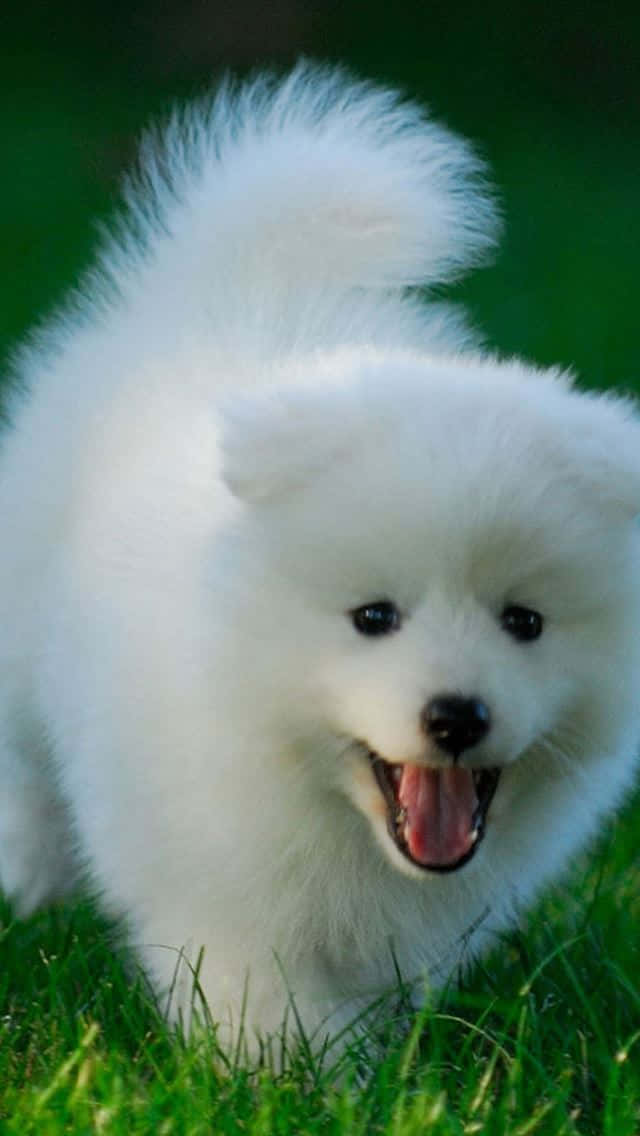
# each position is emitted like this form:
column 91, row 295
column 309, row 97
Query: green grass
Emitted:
column 544, row 1037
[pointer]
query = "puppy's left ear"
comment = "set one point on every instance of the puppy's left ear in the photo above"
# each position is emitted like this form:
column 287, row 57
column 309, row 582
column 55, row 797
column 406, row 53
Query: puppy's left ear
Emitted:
column 274, row 440
column 609, row 452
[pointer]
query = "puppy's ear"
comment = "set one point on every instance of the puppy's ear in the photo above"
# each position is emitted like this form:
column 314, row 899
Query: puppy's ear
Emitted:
column 606, row 448
column 275, row 440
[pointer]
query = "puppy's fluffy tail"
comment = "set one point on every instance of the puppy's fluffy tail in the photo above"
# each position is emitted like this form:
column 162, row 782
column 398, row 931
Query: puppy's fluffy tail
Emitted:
column 275, row 193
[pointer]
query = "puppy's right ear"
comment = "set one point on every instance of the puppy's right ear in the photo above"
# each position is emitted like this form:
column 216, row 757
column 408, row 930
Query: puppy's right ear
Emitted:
column 275, row 440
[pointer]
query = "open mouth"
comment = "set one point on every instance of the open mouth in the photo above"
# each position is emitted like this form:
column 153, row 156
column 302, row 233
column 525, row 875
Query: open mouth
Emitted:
column 435, row 816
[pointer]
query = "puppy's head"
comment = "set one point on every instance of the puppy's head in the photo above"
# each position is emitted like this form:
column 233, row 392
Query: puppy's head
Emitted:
column 439, row 587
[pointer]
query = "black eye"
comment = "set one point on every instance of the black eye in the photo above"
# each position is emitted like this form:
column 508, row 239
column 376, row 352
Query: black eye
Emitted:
column 521, row 622
column 377, row 618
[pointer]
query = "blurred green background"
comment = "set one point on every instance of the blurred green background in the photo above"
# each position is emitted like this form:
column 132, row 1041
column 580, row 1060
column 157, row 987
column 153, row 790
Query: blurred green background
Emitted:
column 549, row 93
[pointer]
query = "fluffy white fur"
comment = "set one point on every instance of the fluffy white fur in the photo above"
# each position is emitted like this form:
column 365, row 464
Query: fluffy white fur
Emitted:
column 243, row 427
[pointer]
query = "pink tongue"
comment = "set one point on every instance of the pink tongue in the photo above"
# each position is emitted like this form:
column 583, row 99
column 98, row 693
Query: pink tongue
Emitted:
column 439, row 804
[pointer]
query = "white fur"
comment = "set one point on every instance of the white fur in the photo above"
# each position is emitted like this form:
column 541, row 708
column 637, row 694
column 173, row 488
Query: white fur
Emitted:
column 243, row 428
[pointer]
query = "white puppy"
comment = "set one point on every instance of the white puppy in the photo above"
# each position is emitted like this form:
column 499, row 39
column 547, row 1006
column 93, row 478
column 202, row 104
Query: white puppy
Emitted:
column 320, row 630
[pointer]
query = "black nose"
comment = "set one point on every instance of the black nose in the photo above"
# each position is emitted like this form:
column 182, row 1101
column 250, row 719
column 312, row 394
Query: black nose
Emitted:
column 455, row 723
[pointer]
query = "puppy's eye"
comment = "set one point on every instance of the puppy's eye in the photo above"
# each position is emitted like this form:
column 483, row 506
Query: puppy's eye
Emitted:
column 522, row 623
column 377, row 618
